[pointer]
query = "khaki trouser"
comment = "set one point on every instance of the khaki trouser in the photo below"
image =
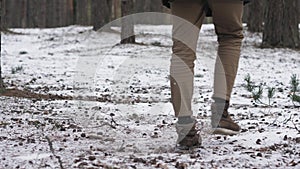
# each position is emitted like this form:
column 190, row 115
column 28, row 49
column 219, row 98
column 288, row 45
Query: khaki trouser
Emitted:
column 227, row 18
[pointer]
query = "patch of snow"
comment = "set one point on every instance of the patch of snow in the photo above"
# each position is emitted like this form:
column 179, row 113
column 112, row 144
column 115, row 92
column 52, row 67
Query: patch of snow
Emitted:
column 133, row 126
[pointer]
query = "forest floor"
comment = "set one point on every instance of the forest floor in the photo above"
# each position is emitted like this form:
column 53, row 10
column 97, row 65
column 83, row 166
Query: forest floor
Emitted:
column 78, row 99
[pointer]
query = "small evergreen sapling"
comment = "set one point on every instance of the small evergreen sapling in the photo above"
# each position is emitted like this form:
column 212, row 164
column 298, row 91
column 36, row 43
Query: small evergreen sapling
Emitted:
column 257, row 91
column 16, row 69
column 257, row 94
column 249, row 84
column 271, row 93
column 294, row 89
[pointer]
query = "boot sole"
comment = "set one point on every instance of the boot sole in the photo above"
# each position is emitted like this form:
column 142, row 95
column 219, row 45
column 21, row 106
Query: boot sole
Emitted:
column 224, row 131
column 186, row 149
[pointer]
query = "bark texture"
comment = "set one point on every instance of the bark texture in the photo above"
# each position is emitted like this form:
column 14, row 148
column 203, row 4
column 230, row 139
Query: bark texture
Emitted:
column 255, row 16
column 127, row 28
column 281, row 24
column 101, row 14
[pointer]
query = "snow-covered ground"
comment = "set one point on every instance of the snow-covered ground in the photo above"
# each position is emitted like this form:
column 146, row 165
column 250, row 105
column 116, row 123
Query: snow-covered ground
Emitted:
column 122, row 117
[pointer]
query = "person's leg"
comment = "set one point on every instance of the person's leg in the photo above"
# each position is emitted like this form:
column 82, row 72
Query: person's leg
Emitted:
column 186, row 25
column 185, row 35
column 227, row 18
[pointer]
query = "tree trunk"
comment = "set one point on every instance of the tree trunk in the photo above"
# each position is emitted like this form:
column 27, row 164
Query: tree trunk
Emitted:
column 1, row 80
column 40, row 13
column 281, row 24
column 101, row 13
column 64, row 5
column 50, row 13
column 41, row 23
column 127, row 28
column 116, row 9
column 2, row 13
column 70, row 12
column 60, row 10
column 30, row 12
column 82, row 12
column 35, row 14
column 2, row 10
column 67, row 12
column 23, row 15
column 15, row 13
column 299, row 11
column 255, row 16
column 149, row 6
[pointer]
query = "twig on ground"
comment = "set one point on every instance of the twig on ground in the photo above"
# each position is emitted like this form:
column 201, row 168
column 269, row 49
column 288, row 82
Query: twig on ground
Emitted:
column 296, row 127
column 113, row 122
column 287, row 120
column 273, row 121
column 121, row 148
column 53, row 152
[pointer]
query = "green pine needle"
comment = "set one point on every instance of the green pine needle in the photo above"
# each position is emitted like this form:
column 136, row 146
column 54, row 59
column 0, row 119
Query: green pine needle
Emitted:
column 294, row 83
column 295, row 98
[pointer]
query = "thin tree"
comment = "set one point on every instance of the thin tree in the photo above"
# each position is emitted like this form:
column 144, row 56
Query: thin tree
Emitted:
column 116, row 12
column 149, row 6
column 298, row 11
column 281, row 24
column 1, row 80
column 127, row 27
column 70, row 12
column 255, row 17
column 51, row 14
column 101, row 13
column 2, row 13
column 83, row 11
column 2, row 27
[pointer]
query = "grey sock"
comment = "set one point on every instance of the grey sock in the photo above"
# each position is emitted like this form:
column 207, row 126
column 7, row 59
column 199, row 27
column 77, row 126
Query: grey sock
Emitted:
column 185, row 119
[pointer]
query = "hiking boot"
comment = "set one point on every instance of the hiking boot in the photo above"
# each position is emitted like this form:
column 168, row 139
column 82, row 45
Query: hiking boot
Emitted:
column 188, row 136
column 221, row 121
